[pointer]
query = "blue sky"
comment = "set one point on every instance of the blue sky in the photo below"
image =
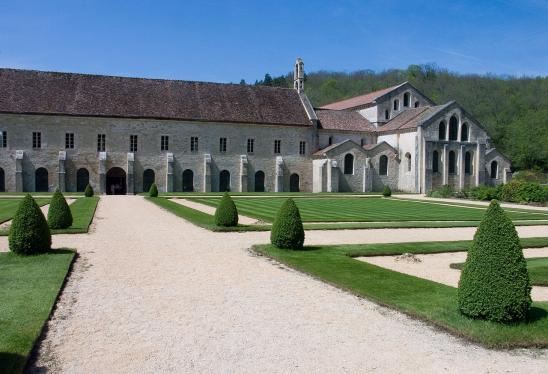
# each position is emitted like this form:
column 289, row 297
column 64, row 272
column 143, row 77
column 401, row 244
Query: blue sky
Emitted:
column 229, row 40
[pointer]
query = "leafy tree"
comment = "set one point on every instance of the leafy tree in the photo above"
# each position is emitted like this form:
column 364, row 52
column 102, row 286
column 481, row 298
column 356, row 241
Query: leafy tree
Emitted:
column 226, row 213
column 59, row 214
column 287, row 229
column 29, row 232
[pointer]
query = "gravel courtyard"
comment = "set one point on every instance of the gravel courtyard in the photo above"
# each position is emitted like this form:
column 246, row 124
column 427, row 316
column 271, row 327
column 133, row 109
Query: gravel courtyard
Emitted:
column 153, row 293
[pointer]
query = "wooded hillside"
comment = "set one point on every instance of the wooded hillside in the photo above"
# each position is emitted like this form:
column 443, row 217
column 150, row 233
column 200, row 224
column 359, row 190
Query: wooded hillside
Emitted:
column 514, row 110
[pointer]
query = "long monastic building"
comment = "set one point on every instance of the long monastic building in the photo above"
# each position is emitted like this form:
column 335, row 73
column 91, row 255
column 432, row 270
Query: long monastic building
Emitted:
column 62, row 130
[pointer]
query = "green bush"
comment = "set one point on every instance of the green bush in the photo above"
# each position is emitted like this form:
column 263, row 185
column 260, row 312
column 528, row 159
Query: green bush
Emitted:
column 88, row 192
column 29, row 232
column 494, row 283
column 484, row 193
column 287, row 229
column 226, row 214
column 386, row 192
column 59, row 215
column 153, row 192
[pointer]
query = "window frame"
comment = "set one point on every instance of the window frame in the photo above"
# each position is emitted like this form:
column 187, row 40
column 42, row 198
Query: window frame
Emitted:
column 36, row 140
column 101, row 142
column 133, row 143
column 250, row 145
column 194, row 144
column 302, row 147
column 222, row 145
column 164, row 142
column 383, row 171
column 277, row 146
column 4, row 138
column 69, row 140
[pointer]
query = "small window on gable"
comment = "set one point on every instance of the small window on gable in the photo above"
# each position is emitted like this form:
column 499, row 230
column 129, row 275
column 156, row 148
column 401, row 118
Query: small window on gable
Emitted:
column 441, row 132
column 453, row 128
column 396, row 104
column 417, row 104
column 330, row 140
column 387, row 114
column 408, row 161
column 464, row 133
column 406, row 99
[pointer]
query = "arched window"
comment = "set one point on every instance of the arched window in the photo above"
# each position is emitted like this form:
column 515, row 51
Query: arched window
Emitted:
column 468, row 163
column 224, row 181
column 148, row 179
column 41, row 180
column 82, row 179
column 363, row 142
column 386, row 114
column 294, row 183
column 349, row 164
column 453, row 128
column 330, row 140
column 396, row 104
column 259, row 181
column 494, row 170
column 408, row 161
column 441, row 134
column 417, row 104
column 406, row 99
column 452, row 162
column 188, row 181
column 464, row 133
column 2, row 181
column 435, row 162
column 383, row 165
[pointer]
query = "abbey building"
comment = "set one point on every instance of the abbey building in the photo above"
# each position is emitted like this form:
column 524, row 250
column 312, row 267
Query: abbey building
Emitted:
column 60, row 130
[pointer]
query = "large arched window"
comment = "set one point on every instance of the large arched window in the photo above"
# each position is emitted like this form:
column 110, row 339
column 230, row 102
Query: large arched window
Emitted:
column 148, row 179
column 494, row 170
column 406, row 99
column 2, row 181
column 468, row 163
column 464, row 133
column 41, row 180
column 349, row 164
column 82, row 179
column 259, row 181
column 452, row 162
column 224, row 181
column 188, row 180
column 453, row 128
column 435, row 162
column 442, row 131
column 383, row 165
column 408, row 161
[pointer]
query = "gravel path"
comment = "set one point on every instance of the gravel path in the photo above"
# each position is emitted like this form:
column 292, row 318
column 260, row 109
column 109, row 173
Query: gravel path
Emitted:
column 153, row 293
column 435, row 267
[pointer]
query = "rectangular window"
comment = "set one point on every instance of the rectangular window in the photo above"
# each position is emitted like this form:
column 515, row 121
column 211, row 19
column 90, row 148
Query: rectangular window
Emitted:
column 302, row 148
column 194, row 144
column 164, row 143
column 133, row 143
column 250, row 145
column 101, row 141
column 69, row 141
column 222, row 145
column 277, row 146
column 3, row 139
column 36, row 140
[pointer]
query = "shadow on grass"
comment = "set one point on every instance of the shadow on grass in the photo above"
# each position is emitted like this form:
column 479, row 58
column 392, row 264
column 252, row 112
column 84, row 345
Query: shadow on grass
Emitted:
column 11, row 362
column 536, row 314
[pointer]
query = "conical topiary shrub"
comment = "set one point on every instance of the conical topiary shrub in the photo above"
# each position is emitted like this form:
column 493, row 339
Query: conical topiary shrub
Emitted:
column 226, row 213
column 59, row 214
column 386, row 192
column 153, row 191
column 29, row 231
column 88, row 192
column 494, row 283
column 287, row 229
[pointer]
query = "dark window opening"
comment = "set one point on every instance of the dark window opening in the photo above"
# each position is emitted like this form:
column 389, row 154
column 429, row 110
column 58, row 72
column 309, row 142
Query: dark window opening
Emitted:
column 452, row 162
column 82, row 179
column 435, row 162
column 188, row 181
column 453, row 128
column 259, row 181
column 148, row 179
column 349, row 164
column 294, row 183
column 383, row 165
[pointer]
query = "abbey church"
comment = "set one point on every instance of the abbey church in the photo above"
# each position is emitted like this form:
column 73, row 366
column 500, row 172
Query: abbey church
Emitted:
column 120, row 135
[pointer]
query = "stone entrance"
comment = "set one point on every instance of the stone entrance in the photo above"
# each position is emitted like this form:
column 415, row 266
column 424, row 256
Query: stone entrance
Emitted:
column 116, row 182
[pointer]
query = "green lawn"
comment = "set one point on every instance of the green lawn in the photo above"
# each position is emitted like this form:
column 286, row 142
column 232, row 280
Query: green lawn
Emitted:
column 8, row 207
column 352, row 209
column 432, row 302
column 30, row 285
column 537, row 267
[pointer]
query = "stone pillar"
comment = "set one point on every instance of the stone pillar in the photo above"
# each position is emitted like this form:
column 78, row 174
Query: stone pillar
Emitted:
column 461, row 167
column 367, row 176
column 428, row 174
column 243, row 173
column 130, row 178
column 102, row 173
column 317, row 175
column 480, row 164
column 19, row 155
column 279, row 185
column 61, row 172
column 207, row 173
column 332, row 176
column 169, row 174
column 445, row 165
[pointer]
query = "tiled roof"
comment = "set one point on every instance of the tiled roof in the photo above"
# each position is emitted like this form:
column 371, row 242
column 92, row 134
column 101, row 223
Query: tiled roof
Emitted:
column 357, row 101
column 35, row 92
column 410, row 118
column 343, row 120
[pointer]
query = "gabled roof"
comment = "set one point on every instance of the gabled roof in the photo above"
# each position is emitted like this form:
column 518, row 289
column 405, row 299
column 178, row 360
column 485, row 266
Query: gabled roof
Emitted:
column 361, row 100
column 343, row 120
column 323, row 152
column 37, row 92
column 411, row 118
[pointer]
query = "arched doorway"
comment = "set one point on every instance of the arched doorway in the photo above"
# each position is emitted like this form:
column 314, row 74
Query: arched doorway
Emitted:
column 82, row 179
column 383, row 165
column 148, row 179
column 294, row 183
column 2, row 181
column 494, row 170
column 224, row 181
column 188, row 181
column 259, row 181
column 349, row 164
column 116, row 181
column 41, row 183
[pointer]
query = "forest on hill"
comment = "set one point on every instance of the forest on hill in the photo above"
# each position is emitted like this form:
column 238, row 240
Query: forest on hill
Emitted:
column 514, row 110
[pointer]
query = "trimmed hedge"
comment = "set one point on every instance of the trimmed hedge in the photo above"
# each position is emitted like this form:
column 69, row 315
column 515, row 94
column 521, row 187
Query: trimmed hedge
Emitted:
column 88, row 192
column 59, row 214
column 226, row 214
column 386, row 192
column 29, row 232
column 287, row 229
column 494, row 283
column 153, row 192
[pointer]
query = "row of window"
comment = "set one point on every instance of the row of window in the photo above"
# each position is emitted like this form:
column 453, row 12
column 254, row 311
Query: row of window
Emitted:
column 452, row 162
column 396, row 104
column 164, row 143
column 453, row 130
column 349, row 164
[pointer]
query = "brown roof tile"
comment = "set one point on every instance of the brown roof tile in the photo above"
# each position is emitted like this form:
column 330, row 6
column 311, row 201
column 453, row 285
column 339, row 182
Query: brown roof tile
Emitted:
column 361, row 100
column 36, row 92
column 410, row 118
column 343, row 120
